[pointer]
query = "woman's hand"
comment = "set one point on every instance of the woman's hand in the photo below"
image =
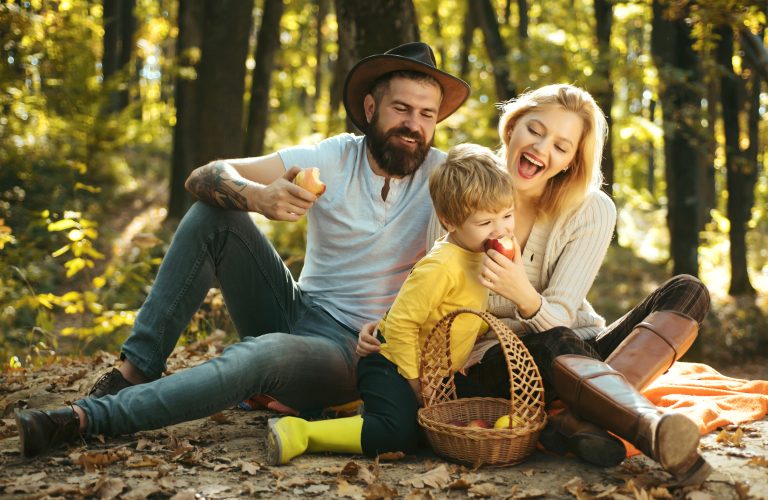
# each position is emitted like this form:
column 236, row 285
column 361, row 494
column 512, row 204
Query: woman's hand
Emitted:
column 507, row 277
column 367, row 343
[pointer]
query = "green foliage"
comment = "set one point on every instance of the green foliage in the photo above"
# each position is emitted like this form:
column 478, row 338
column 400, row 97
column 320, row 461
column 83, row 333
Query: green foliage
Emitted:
column 74, row 270
column 61, row 165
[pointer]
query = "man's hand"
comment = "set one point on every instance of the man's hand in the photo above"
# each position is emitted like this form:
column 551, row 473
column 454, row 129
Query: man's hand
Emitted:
column 367, row 343
column 284, row 200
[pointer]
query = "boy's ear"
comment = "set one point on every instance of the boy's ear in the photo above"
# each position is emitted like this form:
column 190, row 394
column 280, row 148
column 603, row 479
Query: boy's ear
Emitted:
column 447, row 226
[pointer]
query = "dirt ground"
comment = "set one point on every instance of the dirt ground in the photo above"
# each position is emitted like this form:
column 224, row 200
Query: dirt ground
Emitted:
column 224, row 457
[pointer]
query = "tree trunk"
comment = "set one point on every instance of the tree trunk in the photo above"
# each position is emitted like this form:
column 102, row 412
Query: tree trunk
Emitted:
column 127, row 35
column 672, row 48
column 755, row 51
column 267, row 45
column 494, row 45
column 467, row 34
column 373, row 28
column 322, row 12
column 119, row 29
column 221, row 79
column 742, row 175
column 732, row 105
column 603, row 90
column 650, row 178
column 522, row 26
column 184, row 154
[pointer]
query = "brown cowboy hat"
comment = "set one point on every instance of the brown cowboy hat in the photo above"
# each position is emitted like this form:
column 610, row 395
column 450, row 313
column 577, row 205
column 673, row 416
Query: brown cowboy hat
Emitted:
column 414, row 56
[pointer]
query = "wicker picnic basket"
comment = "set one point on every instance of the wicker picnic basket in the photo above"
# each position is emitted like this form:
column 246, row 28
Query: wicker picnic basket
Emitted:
column 477, row 445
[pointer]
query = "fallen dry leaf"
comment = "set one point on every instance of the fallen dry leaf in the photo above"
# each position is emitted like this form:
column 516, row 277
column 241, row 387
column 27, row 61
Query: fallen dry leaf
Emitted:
column 574, row 486
column 742, row 490
column 531, row 493
column 110, row 488
column 138, row 461
column 90, row 461
column 380, row 490
column 439, row 477
column 761, row 461
column 660, row 492
column 483, row 490
column 347, row 490
column 317, row 489
column 731, row 438
column 142, row 490
column 220, row 418
column 249, row 467
column 391, row 456
column 419, row 495
column 186, row 494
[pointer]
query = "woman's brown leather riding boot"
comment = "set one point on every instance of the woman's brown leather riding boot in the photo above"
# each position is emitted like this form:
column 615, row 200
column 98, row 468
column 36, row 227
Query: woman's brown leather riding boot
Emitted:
column 598, row 393
column 652, row 346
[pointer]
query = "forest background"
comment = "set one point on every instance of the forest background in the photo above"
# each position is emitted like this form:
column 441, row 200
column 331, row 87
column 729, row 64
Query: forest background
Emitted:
column 108, row 105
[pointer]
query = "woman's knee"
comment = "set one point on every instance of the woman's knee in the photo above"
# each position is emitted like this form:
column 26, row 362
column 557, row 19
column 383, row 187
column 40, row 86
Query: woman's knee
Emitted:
column 690, row 295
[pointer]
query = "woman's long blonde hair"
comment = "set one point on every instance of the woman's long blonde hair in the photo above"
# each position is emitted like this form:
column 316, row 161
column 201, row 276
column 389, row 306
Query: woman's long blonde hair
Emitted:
column 565, row 191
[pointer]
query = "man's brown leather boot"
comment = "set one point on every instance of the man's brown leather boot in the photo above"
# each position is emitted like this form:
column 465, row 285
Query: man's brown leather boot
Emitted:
column 40, row 431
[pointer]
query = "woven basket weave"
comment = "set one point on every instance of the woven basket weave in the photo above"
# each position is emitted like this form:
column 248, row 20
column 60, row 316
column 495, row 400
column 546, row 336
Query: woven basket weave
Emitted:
column 477, row 445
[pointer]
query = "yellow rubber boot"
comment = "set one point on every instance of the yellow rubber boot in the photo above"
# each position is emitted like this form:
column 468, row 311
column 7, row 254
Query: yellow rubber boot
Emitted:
column 290, row 437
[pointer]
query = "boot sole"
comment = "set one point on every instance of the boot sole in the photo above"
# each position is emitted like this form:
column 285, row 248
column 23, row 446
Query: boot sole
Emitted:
column 677, row 443
column 274, row 448
column 20, row 429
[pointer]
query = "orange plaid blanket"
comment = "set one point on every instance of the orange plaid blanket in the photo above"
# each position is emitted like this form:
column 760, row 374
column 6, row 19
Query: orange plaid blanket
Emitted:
column 708, row 397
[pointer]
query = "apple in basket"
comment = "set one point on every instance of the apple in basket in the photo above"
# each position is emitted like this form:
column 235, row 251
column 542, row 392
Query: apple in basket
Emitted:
column 457, row 423
column 479, row 423
column 309, row 179
column 503, row 422
column 505, row 246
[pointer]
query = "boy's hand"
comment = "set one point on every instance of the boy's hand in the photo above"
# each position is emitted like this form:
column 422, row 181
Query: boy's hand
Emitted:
column 416, row 387
column 367, row 343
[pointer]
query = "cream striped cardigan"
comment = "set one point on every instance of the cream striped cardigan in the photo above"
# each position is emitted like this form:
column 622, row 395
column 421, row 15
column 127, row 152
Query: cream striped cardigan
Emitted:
column 562, row 258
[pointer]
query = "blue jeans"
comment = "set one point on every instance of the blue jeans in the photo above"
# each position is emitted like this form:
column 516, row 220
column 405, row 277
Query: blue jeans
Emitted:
column 290, row 348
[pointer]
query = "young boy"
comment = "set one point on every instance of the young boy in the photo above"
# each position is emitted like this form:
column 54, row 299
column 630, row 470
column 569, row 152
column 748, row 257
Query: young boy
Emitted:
column 473, row 197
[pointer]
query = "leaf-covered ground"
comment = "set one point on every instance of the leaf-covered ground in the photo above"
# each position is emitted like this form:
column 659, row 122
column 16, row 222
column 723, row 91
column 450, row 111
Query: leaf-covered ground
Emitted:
column 223, row 457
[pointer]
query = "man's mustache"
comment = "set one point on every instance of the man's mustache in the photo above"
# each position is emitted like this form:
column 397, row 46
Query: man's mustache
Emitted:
column 407, row 133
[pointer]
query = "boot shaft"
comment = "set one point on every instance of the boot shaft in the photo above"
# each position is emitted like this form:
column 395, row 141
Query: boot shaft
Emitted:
column 653, row 346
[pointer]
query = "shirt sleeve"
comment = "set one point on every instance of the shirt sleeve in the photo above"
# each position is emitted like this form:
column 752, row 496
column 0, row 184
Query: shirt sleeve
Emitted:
column 586, row 237
column 328, row 152
column 423, row 291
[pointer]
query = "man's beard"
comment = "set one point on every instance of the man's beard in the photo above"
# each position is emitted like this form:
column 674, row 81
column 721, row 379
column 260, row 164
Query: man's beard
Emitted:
column 394, row 160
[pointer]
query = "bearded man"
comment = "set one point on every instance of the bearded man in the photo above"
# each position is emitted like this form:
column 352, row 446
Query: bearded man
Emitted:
column 298, row 339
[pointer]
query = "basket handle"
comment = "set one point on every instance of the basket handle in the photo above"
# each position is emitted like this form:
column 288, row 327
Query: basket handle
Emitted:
column 437, row 378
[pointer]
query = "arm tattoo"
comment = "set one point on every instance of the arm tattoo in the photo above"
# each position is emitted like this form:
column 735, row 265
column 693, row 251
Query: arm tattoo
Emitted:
column 215, row 185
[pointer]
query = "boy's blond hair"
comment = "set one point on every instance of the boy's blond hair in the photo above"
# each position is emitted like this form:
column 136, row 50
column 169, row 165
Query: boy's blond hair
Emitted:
column 472, row 178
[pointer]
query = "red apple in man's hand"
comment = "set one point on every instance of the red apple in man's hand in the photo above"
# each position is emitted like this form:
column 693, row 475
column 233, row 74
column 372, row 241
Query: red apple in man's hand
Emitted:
column 309, row 179
column 480, row 423
column 505, row 246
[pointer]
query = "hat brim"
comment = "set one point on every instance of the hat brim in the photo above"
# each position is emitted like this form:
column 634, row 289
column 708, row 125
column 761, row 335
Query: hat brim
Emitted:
column 362, row 76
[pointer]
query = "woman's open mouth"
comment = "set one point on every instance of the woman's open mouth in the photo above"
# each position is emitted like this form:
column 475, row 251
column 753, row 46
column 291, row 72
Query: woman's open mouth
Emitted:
column 529, row 166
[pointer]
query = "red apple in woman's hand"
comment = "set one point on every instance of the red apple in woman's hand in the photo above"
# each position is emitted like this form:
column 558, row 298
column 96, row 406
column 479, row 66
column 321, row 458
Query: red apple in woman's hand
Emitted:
column 505, row 246
column 309, row 179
